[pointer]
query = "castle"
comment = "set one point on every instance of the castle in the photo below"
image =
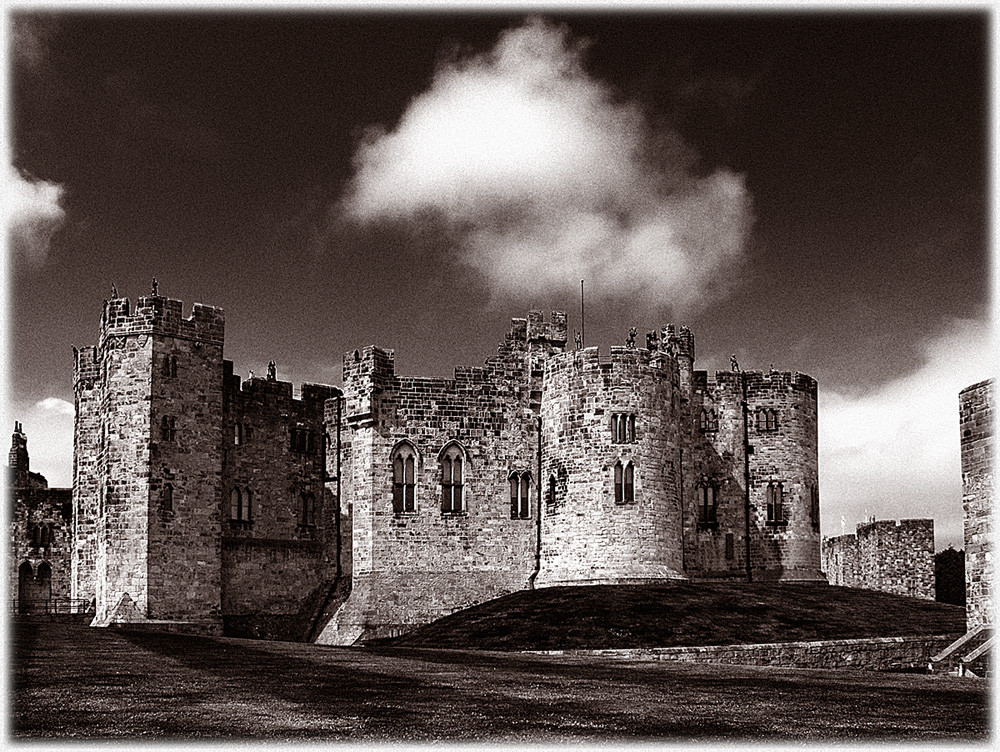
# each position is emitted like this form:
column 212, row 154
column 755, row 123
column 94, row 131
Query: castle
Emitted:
column 200, row 497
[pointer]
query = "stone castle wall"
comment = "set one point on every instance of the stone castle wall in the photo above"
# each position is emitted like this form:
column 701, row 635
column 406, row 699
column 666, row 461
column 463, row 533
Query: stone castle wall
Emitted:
column 976, row 423
column 410, row 566
column 200, row 495
column 275, row 448
column 41, row 534
column 589, row 534
column 889, row 556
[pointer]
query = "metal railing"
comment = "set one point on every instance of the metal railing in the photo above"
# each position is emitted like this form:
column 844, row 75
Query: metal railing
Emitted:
column 51, row 606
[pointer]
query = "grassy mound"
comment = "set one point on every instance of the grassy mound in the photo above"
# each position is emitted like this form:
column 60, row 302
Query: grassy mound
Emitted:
column 643, row 616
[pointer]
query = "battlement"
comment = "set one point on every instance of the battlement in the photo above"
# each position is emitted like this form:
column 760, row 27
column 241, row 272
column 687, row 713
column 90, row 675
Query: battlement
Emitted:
column 757, row 381
column 156, row 314
column 894, row 527
column 620, row 359
column 86, row 365
column 534, row 328
column 263, row 390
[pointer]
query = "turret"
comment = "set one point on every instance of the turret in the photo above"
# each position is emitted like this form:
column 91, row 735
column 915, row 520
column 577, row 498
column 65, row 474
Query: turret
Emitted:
column 18, row 458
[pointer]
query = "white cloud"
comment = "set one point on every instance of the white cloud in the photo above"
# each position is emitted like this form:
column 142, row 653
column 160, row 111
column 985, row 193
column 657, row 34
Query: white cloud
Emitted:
column 544, row 177
column 33, row 214
column 55, row 405
column 895, row 452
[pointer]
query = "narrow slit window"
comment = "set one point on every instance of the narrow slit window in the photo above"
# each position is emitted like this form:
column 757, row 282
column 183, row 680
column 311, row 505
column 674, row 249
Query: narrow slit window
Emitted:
column 629, row 483
column 619, row 490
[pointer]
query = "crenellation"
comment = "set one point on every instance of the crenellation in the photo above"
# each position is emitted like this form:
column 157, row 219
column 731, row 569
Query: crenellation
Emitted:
column 543, row 466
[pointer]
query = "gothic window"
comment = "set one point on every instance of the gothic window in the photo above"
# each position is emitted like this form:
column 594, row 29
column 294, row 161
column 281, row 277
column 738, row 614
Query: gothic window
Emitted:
column 619, row 489
column 239, row 505
column 708, row 421
column 775, row 504
column 308, row 509
column 767, row 419
column 403, row 474
column 623, row 428
column 167, row 428
column 452, row 464
column 167, row 498
column 707, row 505
column 520, row 495
column 170, row 366
column 814, row 506
column 552, row 491
column 629, row 483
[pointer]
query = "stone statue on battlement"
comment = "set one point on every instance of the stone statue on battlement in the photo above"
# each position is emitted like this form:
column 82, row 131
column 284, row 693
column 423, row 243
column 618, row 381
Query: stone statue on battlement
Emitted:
column 272, row 371
column 632, row 333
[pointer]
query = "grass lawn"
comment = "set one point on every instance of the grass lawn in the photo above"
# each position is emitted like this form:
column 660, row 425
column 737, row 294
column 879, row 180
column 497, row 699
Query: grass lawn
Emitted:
column 652, row 616
column 72, row 681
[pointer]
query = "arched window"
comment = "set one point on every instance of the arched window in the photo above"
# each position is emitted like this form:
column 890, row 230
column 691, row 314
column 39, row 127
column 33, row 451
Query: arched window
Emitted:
column 520, row 495
column 166, row 366
column 767, row 419
column 630, row 433
column 452, row 474
column 551, row 501
column 708, row 421
column 308, row 509
column 629, row 483
column 403, row 474
column 775, row 504
column 173, row 366
column 167, row 498
column 619, row 488
column 707, row 505
column 239, row 505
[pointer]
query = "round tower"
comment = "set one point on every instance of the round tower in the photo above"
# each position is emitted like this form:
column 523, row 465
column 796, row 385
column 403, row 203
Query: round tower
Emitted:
column 784, row 475
column 610, row 468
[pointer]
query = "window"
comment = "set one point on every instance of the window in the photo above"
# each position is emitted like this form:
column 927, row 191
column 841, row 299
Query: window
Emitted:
column 767, row 419
column 708, row 421
column 452, row 462
column 730, row 546
column 624, row 483
column 814, row 506
column 308, row 507
column 170, row 366
column 240, row 509
column 551, row 501
column 167, row 428
column 167, row 498
column 520, row 495
column 238, row 434
column 707, row 506
column 403, row 485
column 775, row 504
column 622, row 428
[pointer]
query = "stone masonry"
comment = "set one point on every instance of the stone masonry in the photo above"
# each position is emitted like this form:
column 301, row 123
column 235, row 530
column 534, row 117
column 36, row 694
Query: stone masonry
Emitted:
column 976, row 423
column 41, row 535
column 199, row 495
column 891, row 556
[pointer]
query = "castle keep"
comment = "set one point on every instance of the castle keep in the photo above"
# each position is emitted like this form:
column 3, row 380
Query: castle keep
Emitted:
column 201, row 497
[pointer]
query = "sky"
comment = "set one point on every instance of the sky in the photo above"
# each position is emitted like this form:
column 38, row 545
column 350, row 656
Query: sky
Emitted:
column 804, row 190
